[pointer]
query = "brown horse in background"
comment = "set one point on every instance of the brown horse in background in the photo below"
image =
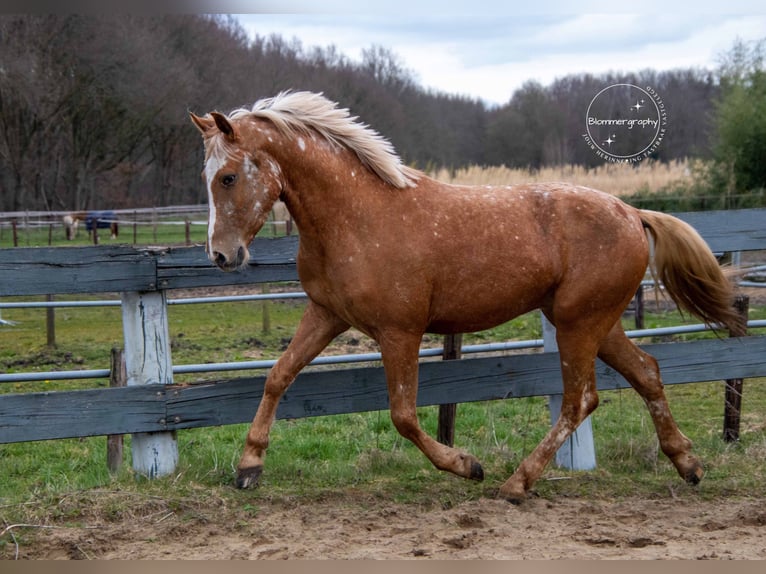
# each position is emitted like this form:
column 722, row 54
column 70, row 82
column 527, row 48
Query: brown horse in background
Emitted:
column 93, row 220
column 396, row 254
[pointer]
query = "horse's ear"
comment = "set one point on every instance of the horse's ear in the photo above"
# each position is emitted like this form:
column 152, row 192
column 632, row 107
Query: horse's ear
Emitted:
column 223, row 124
column 204, row 125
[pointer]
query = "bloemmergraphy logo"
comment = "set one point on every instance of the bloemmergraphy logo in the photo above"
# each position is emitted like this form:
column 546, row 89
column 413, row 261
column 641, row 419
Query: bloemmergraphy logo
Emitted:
column 625, row 123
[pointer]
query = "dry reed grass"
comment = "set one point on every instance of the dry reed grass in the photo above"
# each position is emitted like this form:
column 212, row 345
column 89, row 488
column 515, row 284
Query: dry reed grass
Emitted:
column 616, row 178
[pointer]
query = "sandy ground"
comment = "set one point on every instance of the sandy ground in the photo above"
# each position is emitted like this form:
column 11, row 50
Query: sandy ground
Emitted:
column 364, row 529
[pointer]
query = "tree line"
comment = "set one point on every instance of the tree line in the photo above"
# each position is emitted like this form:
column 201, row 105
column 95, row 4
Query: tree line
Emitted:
column 94, row 109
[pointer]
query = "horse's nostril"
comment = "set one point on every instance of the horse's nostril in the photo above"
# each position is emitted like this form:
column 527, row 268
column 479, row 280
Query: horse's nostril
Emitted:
column 220, row 258
column 240, row 255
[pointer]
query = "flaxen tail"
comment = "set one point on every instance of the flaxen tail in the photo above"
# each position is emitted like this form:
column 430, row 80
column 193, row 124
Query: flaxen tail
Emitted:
column 690, row 273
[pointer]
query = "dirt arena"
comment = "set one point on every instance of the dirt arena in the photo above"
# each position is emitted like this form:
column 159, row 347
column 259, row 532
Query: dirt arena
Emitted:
column 360, row 528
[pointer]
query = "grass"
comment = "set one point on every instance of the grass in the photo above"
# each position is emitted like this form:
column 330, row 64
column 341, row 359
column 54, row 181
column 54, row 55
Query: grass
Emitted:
column 161, row 234
column 313, row 459
column 326, row 456
column 167, row 231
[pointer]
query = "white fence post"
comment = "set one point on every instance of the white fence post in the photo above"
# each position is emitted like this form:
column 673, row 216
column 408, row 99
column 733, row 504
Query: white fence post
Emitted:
column 578, row 452
column 148, row 362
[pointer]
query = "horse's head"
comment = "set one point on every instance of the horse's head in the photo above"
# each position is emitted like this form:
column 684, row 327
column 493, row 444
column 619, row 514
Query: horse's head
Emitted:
column 243, row 182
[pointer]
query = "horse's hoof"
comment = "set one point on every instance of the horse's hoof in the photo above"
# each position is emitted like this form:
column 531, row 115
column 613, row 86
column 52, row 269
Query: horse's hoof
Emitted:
column 477, row 472
column 513, row 497
column 513, row 492
column 695, row 474
column 689, row 468
column 247, row 477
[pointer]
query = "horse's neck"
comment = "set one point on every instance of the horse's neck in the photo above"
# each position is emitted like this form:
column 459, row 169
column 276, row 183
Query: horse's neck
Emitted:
column 330, row 194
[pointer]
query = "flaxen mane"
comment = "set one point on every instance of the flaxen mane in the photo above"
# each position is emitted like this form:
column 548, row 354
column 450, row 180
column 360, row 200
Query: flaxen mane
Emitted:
column 302, row 111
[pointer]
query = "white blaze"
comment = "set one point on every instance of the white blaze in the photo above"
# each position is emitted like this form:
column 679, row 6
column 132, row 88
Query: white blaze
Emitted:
column 213, row 165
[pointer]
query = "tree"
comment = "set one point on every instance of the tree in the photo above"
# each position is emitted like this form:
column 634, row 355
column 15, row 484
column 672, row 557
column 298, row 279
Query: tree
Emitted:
column 527, row 132
column 94, row 108
column 740, row 119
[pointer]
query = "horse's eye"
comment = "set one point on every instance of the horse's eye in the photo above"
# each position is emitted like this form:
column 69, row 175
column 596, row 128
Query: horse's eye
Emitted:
column 228, row 180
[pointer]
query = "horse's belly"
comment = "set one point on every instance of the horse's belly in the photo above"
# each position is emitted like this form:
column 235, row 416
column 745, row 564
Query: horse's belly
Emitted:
column 469, row 323
column 474, row 306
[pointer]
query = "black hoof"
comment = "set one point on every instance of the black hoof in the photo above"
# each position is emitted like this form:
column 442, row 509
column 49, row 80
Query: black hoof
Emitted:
column 477, row 472
column 249, row 477
column 694, row 475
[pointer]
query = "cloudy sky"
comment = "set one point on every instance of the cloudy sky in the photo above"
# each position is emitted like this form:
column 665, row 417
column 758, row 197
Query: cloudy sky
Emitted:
column 487, row 49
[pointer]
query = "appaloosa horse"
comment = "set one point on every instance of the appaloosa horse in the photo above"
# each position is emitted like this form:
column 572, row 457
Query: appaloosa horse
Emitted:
column 396, row 254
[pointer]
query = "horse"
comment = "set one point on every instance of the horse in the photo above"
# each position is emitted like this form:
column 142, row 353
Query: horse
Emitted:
column 93, row 220
column 396, row 254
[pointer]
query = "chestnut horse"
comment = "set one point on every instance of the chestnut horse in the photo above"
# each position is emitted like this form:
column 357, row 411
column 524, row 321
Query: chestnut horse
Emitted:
column 396, row 254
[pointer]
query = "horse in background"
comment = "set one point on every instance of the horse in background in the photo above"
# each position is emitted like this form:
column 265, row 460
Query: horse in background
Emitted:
column 93, row 220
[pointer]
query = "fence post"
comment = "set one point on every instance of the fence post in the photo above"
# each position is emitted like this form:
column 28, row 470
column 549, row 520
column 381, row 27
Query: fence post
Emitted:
column 50, row 323
column 114, row 442
column 265, row 311
column 639, row 307
column 733, row 397
column 578, row 451
column 445, row 429
column 148, row 362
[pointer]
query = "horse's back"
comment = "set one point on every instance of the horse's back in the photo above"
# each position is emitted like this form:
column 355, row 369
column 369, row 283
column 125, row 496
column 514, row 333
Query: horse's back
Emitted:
column 547, row 228
column 508, row 250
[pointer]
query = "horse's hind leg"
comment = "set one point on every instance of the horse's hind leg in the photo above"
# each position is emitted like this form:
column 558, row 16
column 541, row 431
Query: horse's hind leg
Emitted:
column 577, row 349
column 641, row 371
column 317, row 328
column 400, row 360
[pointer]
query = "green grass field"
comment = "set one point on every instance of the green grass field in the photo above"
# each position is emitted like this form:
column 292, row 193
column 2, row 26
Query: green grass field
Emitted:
column 166, row 231
column 309, row 457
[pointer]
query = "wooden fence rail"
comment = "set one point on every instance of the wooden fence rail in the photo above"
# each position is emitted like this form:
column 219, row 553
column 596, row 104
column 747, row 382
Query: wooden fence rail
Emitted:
column 157, row 410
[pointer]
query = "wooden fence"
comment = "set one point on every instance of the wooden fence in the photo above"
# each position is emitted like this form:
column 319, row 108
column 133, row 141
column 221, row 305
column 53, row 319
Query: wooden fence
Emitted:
column 152, row 407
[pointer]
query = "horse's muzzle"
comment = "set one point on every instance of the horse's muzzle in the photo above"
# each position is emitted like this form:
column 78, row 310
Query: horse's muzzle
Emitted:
column 230, row 264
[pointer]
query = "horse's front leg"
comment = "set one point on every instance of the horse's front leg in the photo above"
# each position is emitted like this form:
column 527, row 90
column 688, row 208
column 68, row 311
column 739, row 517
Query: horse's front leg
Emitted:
column 318, row 327
column 400, row 360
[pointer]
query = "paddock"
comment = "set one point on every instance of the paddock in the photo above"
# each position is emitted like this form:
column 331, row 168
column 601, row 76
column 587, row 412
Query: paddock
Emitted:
column 144, row 276
column 361, row 527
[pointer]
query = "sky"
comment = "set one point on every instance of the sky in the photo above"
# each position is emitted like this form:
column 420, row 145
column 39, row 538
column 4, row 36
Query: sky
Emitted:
column 488, row 49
